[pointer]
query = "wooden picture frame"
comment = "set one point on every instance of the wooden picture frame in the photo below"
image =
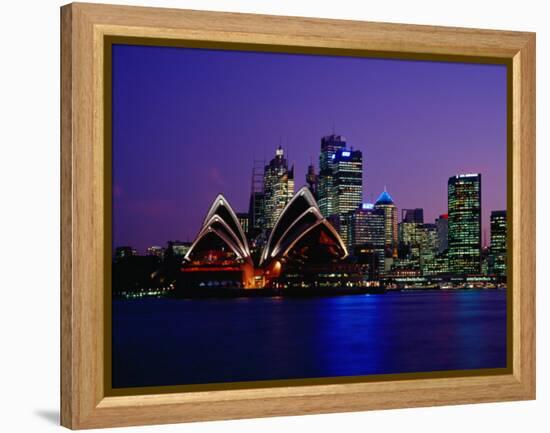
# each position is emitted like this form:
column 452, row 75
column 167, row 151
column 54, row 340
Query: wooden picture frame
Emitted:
column 85, row 212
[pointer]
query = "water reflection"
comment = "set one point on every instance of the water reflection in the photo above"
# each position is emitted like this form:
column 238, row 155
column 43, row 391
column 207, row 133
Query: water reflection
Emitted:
column 169, row 342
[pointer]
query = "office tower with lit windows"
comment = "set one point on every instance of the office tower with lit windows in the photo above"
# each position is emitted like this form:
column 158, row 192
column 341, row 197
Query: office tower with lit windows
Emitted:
column 428, row 244
column 278, row 188
column 442, row 227
column 498, row 243
column 347, row 185
column 330, row 144
column 386, row 205
column 464, row 201
column 365, row 227
column 409, row 233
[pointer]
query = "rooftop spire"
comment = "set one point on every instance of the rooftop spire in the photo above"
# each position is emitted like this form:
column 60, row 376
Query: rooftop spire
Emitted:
column 384, row 198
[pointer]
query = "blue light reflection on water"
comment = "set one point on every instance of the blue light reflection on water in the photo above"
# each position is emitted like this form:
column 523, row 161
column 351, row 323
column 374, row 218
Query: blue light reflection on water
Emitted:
column 170, row 342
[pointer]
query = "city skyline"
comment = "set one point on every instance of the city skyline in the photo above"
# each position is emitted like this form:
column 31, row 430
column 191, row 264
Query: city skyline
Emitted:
column 151, row 194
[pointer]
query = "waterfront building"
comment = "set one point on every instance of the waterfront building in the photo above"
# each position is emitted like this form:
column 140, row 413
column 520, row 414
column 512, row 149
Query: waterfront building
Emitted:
column 244, row 221
column 464, row 201
column 370, row 258
column 428, row 244
column 178, row 248
column 301, row 248
column 386, row 205
column 406, row 266
column 278, row 188
column 442, row 224
column 330, row 144
column 347, row 186
column 156, row 251
column 122, row 253
column 438, row 265
column 498, row 243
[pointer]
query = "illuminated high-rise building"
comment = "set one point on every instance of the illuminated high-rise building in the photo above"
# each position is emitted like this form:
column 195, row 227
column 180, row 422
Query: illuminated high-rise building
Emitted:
column 498, row 243
column 329, row 146
column 464, row 201
column 386, row 204
column 365, row 227
column 278, row 187
column 256, row 203
column 428, row 245
column 409, row 233
column 347, row 185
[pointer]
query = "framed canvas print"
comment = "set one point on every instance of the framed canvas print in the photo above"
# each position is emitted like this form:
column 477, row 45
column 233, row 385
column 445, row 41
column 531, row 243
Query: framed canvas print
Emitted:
column 270, row 216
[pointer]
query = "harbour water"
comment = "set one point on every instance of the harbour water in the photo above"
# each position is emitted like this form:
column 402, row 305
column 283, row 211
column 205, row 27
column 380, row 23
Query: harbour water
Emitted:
column 160, row 342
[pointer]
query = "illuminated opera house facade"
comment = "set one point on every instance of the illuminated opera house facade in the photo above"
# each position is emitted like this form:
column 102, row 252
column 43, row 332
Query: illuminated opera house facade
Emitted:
column 302, row 250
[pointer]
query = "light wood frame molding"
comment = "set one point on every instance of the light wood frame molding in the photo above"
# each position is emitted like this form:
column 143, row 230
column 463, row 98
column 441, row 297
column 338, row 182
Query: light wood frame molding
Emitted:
column 83, row 222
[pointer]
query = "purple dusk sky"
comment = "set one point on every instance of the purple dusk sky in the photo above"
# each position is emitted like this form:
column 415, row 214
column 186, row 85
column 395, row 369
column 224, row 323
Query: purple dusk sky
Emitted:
column 187, row 124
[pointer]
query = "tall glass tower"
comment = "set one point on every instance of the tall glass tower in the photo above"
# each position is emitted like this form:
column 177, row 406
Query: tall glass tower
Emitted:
column 498, row 243
column 464, row 201
column 347, row 185
column 386, row 204
column 278, row 187
column 365, row 227
column 329, row 146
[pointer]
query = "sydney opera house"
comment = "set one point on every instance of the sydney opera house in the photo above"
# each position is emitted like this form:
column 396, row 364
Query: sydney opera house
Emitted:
column 302, row 250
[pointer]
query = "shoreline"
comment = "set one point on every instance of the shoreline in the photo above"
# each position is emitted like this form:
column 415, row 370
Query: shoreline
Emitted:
column 229, row 293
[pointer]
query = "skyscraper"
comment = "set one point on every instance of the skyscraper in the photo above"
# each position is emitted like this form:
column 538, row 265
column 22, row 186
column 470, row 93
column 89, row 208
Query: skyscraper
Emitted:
column 256, row 203
column 464, row 201
column 428, row 244
column 442, row 225
column 365, row 227
column 330, row 144
column 410, row 237
column 312, row 180
column 347, row 185
column 278, row 187
column 412, row 215
column 498, row 243
column 386, row 204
